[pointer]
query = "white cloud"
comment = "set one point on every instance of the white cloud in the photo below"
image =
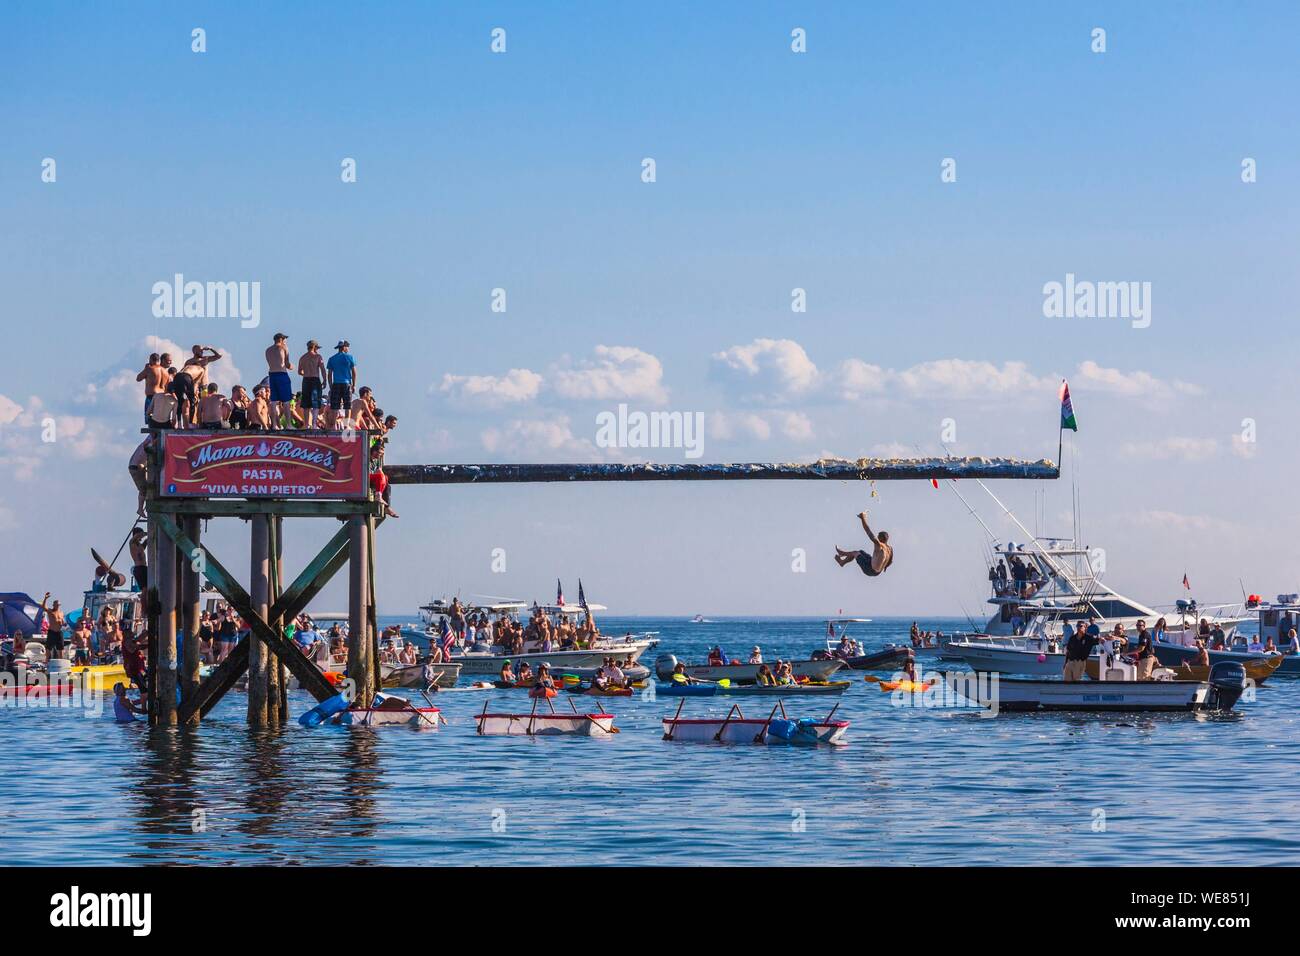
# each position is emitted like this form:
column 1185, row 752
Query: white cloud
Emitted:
column 724, row 426
column 794, row 425
column 767, row 370
column 1180, row 523
column 492, row 391
column 114, row 389
column 538, row 438
column 618, row 372
column 1174, row 447
column 1090, row 376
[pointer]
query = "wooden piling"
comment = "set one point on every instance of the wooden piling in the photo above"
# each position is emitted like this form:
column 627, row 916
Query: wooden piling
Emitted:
column 259, row 592
column 360, row 663
column 165, row 703
column 190, row 602
column 282, row 670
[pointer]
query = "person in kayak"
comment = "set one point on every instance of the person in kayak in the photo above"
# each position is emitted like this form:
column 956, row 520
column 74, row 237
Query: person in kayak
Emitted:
column 764, row 677
column 1077, row 650
column 681, row 677
column 873, row 564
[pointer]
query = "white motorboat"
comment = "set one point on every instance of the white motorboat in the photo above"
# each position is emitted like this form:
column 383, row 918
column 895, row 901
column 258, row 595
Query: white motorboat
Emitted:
column 1120, row 691
column 413, row 675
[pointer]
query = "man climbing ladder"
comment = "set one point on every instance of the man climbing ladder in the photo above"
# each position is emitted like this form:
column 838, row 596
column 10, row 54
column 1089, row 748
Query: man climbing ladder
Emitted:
column 875, row 563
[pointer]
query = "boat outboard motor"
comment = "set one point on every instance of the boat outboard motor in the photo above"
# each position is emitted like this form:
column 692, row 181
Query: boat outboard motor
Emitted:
column 1227, row 684
column 665, row 664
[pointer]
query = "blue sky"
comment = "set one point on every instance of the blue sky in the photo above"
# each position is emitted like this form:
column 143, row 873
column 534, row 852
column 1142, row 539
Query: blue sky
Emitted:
column 775, row 170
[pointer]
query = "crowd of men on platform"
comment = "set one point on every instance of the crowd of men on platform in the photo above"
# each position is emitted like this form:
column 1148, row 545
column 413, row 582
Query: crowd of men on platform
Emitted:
column 327, row 397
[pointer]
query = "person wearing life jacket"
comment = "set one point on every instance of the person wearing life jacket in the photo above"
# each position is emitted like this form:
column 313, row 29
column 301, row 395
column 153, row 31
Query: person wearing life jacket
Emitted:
column 764, row 677
column 681, row 677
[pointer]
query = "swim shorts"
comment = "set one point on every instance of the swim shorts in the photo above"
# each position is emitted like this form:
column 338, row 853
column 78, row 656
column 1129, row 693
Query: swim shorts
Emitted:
column 281, row 387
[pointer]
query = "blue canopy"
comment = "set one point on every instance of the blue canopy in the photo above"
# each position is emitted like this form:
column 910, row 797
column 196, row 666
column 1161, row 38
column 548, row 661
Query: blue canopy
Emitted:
column 19, row 612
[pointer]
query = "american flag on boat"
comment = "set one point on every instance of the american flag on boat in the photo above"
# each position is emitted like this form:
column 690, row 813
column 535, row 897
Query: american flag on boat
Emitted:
column 559, row 593
column 582, row 598
column 448, row 638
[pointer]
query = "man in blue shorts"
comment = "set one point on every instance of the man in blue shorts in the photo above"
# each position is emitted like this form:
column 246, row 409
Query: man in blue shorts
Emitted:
column 278, row 369
column 342, row 372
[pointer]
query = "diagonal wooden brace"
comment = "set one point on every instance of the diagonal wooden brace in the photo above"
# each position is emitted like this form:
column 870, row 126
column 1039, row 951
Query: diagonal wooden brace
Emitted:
column 302, row 591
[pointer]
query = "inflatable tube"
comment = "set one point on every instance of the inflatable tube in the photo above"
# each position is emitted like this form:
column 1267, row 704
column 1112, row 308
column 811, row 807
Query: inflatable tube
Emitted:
column 541, row 693
column 323, row 711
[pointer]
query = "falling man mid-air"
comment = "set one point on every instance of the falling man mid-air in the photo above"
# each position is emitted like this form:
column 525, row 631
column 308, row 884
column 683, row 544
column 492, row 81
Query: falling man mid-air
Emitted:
column 872, row 563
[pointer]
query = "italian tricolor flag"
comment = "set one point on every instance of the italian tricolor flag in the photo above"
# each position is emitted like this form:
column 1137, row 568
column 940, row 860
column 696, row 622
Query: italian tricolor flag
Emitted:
column 1067, row 410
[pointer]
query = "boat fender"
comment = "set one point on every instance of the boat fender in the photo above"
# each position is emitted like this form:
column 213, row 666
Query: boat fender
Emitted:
column 323, row 711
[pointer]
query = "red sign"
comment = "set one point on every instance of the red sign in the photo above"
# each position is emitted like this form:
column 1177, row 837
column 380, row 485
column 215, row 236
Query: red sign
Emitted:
column 264, row 465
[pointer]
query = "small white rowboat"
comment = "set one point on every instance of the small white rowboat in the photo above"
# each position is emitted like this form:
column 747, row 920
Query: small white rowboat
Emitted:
column 736, row 728
column 545, row 725
column 422, row 718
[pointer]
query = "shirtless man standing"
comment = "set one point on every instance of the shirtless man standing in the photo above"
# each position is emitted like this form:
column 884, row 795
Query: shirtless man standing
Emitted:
column 278, row 369
column 140, row 558
column 312, row 369
column 155, row 378
column 54, row 635
column 191, row 380
column 875, row 563
column 214, row 408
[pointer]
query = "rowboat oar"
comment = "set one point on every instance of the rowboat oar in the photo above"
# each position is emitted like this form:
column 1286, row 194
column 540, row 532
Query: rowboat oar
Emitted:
column 735, row 709
column 532, row 718
column 425, row 695
column 758, row 738
column 668, row 735
column 482, row 719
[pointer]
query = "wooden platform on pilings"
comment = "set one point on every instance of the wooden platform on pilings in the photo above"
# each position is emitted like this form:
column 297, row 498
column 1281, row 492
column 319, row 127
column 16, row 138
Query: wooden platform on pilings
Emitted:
column 179, row 562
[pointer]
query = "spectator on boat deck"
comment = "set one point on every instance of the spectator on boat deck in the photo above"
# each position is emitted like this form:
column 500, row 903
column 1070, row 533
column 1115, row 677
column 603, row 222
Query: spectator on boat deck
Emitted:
column 54, row 633
column 1204, row 629
column 716, row 658
column 1146, row 653
column 1255, row 647
column 1293, row 642
column 1093, row 629
column 1158, row 632
column 1017, row 623
column 1202, row 658
column 1077, row 650
column 1269, row 646
column 1218, row 634
column 756, row 653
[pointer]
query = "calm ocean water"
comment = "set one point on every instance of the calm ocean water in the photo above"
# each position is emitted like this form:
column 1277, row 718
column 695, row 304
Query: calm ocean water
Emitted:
column 912, row 786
